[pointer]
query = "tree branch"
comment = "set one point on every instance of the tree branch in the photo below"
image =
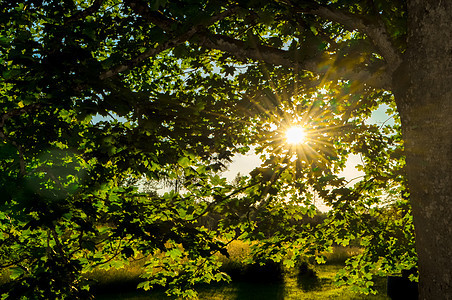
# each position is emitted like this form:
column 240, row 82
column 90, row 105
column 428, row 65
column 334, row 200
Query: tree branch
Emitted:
column 155, row 17
column 18, row 111
column 166, row 24
column 280, row 57
column 130, row 64
column 375, row 31
column 372, row 27
column 243, row 51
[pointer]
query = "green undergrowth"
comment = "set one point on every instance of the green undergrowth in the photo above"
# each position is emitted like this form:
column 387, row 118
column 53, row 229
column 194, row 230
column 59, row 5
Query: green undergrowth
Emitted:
column 249, row 281
column 288, row 289
column 265, row 280
column 116, row 280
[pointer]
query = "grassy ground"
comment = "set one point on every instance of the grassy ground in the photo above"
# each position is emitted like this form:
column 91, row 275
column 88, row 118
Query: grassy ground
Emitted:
column 290, row 288
column 120, row 284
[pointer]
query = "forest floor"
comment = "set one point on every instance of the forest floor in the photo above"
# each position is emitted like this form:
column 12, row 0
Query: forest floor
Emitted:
column 119, row 284
column 291, row 289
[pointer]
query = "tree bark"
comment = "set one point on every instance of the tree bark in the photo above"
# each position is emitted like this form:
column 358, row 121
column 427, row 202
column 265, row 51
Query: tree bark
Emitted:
column 423, row 90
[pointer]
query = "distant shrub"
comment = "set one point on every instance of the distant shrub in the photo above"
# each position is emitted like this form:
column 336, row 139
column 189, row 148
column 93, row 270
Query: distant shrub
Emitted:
column 401, row 287
column 239, row 251
column 238, row 268
column 263, row 272
column 234, row 265
column 307, row 278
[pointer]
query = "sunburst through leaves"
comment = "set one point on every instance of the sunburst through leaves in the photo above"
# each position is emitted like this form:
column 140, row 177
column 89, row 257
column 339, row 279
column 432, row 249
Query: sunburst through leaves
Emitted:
column 295, row 135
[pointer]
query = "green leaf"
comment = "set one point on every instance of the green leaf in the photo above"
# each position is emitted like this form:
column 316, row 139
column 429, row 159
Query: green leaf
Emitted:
column 89, row 245
column 16, row 272
column 145, row 285
column 10, row 74
column 320, row 259
column 174, row 253
column 184, row 162
column 289, row 263
column 158, row 3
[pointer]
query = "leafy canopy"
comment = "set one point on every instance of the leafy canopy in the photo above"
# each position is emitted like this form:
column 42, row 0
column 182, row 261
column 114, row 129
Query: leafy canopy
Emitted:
column 96, row 95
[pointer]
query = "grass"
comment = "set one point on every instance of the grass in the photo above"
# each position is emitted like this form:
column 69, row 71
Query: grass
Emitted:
column 287, row 290
column 316, row 282
column 116, row 280
column 303, row 282
column 341, row 254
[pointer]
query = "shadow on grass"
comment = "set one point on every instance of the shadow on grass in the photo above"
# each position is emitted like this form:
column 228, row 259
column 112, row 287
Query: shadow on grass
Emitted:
column 115, row 289
column 266, row 272
column 307, row 279
column 247, row 290
column 255, row 281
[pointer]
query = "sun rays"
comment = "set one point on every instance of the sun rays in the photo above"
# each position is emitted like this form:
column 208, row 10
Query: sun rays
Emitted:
column 293, row 119
column 299, row 127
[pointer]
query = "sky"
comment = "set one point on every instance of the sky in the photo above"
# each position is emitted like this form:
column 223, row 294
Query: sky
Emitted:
column 244, row 164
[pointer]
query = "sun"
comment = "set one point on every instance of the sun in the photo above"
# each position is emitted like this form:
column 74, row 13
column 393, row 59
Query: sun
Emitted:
column 295, row 135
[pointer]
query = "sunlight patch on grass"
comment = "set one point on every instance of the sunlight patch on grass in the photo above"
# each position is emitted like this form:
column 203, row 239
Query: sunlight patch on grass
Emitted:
column 290, row 288
column 341, row 254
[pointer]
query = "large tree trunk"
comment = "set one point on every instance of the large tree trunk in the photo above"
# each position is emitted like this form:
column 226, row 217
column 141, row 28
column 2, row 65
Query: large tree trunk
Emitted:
column 423, row 91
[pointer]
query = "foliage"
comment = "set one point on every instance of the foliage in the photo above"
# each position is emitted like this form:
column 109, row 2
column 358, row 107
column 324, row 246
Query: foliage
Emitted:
column 98, row 94
column 290, row 289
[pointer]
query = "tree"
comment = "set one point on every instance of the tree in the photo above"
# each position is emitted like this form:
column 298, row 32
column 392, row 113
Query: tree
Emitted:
column 186, row 85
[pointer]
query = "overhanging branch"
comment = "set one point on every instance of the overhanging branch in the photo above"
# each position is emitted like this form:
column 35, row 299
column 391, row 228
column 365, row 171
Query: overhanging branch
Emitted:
column 166, row 24
column 374, row 30
column 130, row 64
column 243, row 51
column 275, row 56
column 372, row 27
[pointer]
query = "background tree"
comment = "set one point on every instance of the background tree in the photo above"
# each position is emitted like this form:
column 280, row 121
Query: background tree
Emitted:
column 187, row 84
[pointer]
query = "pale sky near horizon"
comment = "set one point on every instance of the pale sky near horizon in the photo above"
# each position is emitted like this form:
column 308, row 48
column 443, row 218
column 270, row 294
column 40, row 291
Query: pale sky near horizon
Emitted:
column 244, row 164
